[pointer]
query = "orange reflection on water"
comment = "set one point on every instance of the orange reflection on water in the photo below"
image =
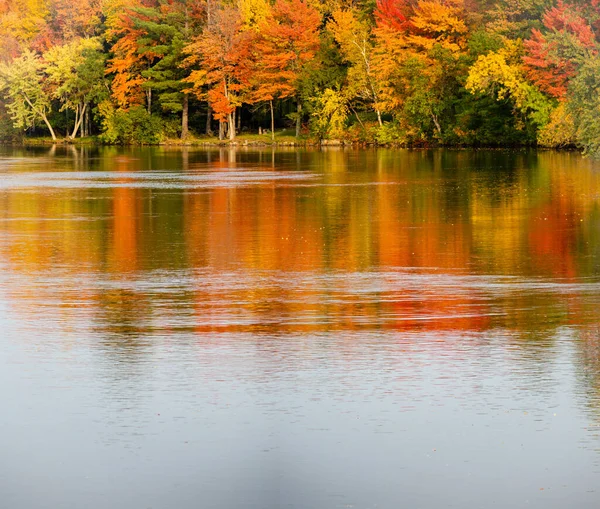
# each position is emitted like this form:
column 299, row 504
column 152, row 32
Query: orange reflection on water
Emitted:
column 358, row 241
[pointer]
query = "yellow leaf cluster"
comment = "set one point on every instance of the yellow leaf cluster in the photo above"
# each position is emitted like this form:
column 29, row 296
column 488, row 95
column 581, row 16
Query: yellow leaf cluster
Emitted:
column 253, row 13
column 500, row 73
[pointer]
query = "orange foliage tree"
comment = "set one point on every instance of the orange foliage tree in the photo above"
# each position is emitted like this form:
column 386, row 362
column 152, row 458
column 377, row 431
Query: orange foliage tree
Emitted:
column 418, row 48
column 553, row 55
column 288, row 41
column 129, row 55
column 222, row 53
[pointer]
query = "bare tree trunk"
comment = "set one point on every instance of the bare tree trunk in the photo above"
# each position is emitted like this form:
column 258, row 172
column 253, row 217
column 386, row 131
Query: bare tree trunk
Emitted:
column 45, row 119
column 379, row 117
column 299, row 117
column 208, row 12
column 83, row 119
column 84, row 124
column 437, row 125
column 78, row 119
column 221, row 130
column 149, row 100
column 184, row 117
column 208, row 121
column 272, row 121
column 357, row 118
column 41, row 114
column 76, row 125
column 231, row 125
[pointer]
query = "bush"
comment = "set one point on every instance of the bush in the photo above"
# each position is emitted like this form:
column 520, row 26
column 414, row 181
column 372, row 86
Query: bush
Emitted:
column 391, row 132
column 129, row 127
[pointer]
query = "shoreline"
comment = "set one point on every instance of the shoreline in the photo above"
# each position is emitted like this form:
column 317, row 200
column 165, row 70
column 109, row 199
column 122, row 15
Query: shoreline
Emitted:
column 253, row 143
column 282, row 141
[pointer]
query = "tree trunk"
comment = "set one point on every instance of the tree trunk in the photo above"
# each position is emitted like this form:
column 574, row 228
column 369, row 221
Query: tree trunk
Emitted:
column 231, row 126
column 78, row 119
column 358, row 118
column 238, row 117
column 299, row 117
column 220, row 130
column 76, row 125
column 437, row 125
column 41, row 114
column 209, row 12
column 208, row 121
column 184, row 117
column 82, row 128
column 84, row 124
column 379, row 117
column 45, row 119
column 149, row 100
column 272, row 121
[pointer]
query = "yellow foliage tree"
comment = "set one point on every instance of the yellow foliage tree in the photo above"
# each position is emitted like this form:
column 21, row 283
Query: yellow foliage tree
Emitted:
column 501, row 74
column 356, row 47
column 20, row 22
column 253, row 12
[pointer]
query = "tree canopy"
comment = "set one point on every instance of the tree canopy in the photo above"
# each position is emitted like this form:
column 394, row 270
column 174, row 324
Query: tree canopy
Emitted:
column 388, row 71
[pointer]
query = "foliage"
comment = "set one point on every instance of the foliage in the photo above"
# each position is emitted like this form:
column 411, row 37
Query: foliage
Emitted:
column 500, row 75
column 554, row 55
column 331, row 114
column 23, row 84
column 391, row 71
column 76, row 72
column 132, row 126
column 584, row 106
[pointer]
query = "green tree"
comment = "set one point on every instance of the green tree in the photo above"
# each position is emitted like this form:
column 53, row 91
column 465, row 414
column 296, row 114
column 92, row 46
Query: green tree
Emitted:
column 168, row 28
column 23, row 84
column 584, row 106
column 76, row 71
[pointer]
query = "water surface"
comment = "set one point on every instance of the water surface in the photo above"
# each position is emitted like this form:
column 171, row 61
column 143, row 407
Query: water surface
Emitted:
column 303, row 329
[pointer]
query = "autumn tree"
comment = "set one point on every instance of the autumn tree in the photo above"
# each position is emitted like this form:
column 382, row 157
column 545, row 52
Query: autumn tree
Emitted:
column 288, row 42
column 502, row 75
column 76, row 72
column 131, row 52
column 353, row 36
column 584, row 106
column 417, row 59
column 168, row 28
column 24, row 86
column 554, row 54
column 515, row 18
column 21, row 21
column 221, row 67
column 68, row 20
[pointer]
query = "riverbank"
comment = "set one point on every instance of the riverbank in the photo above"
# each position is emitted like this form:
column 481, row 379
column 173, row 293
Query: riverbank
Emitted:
column 281, row 139
column 250, row 141
column 284, row 138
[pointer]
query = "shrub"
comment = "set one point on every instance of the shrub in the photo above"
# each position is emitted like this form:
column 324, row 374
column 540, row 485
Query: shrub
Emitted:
column 134, row 126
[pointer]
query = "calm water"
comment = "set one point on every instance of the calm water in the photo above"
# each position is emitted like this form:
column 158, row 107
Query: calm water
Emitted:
column 302, row 329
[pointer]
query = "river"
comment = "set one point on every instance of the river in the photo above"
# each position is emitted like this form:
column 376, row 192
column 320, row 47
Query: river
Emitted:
column 310, row 329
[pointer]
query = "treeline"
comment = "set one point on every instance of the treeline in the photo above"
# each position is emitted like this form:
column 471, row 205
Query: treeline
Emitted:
column 456, row 72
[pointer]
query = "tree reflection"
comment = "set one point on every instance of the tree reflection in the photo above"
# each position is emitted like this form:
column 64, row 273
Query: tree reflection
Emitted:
column 353, row 240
